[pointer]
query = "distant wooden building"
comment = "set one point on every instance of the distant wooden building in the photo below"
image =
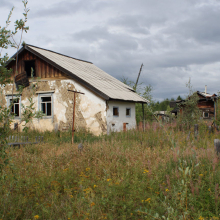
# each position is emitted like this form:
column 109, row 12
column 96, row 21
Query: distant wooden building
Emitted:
column 206, row 104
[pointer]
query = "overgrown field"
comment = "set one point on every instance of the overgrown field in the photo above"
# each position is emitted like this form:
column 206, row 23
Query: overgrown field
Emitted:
column 133, row 175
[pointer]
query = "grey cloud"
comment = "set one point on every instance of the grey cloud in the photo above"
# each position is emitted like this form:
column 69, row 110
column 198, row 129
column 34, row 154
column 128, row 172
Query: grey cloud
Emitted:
column 6, row 3
column 132, row 23
column 202, row 25
column 65, row 8
column 110, row 42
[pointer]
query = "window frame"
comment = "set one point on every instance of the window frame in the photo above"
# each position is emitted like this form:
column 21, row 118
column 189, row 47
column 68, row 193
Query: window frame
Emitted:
column 204, row 114
column 128, row 116
column 9, row 97
column 46, row 94
column 117, row 110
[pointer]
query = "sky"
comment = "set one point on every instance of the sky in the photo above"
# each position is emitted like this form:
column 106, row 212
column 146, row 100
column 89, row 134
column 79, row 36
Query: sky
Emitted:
column 176, row 40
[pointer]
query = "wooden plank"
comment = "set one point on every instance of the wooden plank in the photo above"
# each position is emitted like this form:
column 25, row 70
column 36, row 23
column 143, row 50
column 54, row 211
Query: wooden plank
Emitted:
column 38, row 68
column 47, row 70
column 56, row 72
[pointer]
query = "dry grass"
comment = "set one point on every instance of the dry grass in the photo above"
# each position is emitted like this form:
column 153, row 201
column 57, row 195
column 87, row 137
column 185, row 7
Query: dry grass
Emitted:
column 133, row 175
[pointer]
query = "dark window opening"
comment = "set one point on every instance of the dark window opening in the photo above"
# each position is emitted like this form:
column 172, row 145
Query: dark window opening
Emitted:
column 128, row 112
column 46, row 106
column 30, row 68
column 115, row 111
column 205, row 114
column 15, row 107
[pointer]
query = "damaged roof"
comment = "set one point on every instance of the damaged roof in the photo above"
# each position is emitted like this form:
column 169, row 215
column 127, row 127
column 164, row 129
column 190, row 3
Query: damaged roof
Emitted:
column 88, row 75
column 206, row 95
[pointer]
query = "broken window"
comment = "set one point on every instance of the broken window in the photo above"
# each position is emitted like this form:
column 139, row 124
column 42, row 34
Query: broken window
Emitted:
column 14, row 104
column 205, row 115
column 15, row 107
column 30, row 68
column 128, row 112
column 115, row 111
column 46, row 105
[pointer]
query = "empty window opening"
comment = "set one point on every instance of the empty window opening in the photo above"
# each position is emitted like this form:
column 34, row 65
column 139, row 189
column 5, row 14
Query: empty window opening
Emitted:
column 46, row 105
column 15, row 107
column 30, row 68
column 128, row 112
column 115, row 111
column 205, row 114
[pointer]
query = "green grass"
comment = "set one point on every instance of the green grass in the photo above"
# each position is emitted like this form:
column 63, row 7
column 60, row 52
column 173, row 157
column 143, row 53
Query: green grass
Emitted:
column 132, row 175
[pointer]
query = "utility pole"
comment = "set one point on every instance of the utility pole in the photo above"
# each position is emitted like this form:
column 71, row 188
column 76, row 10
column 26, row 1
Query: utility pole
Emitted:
column 74, row 105
column 135, row 87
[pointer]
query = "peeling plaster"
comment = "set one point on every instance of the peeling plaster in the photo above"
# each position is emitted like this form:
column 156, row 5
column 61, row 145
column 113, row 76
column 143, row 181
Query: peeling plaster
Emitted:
column 90, row 109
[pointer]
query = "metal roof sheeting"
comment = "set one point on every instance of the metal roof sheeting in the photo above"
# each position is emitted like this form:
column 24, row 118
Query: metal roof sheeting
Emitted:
column 92, row 75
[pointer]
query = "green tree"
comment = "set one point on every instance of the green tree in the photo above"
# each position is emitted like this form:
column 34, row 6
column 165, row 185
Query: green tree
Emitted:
column 189, row 111
column 179, row 98
column 7, row 39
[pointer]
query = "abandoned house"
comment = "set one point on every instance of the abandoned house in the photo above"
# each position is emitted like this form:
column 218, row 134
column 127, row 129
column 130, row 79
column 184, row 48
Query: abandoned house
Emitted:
column 206, row 104
column 104, row 103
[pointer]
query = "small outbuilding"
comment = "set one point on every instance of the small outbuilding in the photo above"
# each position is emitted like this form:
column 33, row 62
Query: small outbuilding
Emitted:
column 106, row 104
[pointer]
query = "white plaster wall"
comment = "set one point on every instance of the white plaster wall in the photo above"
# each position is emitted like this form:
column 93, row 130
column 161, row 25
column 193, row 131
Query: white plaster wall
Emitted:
column 115, row 123
column 90, row 105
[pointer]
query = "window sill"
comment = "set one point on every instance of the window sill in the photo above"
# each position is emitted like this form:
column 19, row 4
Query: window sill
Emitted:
column 46, row 117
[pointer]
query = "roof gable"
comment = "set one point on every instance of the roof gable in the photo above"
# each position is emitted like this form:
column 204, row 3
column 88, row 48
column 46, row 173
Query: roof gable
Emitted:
column 88, row 75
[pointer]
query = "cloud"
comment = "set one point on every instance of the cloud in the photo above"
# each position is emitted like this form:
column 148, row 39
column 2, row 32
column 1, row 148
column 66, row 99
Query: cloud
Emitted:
column 65, row 8
column 174, row 40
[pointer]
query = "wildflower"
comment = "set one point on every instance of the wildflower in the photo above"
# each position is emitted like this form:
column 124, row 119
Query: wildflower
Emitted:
column 209, row 190
column 36, row 216
column 131, row 214
column 201, row 218
column 157, row 193
column 179, row 193
column 167, row 190
column 146, row 171
column 201, row 174
column 71, row 196
column 148, row 200
column 108, row 180
column 87, row 169
column 92, row 204
column 142, row 201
